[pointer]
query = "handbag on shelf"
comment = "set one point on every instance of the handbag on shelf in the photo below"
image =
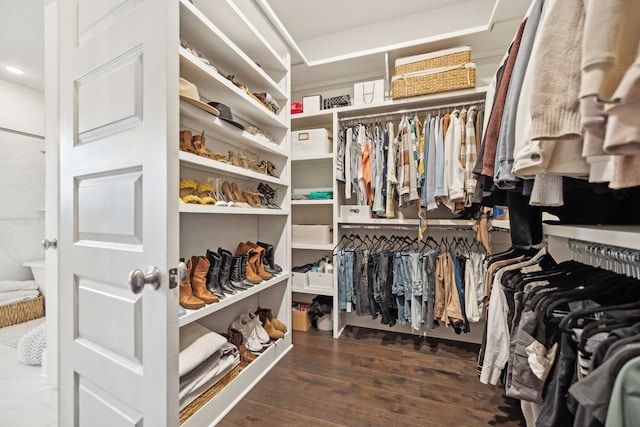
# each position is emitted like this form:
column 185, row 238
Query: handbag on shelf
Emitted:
column 336, row 101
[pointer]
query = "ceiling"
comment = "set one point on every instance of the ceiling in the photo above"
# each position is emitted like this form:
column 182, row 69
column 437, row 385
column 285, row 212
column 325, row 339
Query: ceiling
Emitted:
column 331, row 41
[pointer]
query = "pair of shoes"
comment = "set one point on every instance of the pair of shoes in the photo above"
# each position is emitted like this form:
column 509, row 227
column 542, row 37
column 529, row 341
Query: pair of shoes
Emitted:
column 235, row 337
column 269, row 194
column 274, row 327
column 256, row 338
column 196, row 144
column 198, row 193
column 193, row 290
column 234, row 196
column 255, row 261
column 269, row 259
column 267, row 168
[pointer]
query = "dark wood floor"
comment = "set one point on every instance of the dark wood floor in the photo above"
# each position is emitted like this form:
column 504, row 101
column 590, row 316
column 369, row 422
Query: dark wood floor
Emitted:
column 374, row 378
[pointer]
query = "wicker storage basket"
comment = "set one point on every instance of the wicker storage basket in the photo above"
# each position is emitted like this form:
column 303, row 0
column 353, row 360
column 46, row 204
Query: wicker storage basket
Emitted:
column 200, row 401
column 20, row 312
column 434, row 80
column 439, row 59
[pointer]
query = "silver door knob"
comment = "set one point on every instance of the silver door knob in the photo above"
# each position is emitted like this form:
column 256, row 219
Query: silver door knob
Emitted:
column 53, row 243
column 137, row 279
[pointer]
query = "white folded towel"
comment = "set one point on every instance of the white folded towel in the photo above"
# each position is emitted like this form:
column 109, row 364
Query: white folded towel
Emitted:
column 18, row 285
column 197, row 344
column 7, row 298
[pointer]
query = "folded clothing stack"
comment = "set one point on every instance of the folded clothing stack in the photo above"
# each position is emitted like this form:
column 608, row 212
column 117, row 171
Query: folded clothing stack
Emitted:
column 205, row 357
column 12, row 291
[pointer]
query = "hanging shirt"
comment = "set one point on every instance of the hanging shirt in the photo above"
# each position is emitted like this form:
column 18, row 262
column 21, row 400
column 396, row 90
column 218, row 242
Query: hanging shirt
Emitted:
column 439, row 189
column 340, row 176
column 392, row 180
column 347, row 162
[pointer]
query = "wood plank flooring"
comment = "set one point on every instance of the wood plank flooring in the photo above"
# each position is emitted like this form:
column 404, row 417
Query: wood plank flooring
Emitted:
column 374, row 378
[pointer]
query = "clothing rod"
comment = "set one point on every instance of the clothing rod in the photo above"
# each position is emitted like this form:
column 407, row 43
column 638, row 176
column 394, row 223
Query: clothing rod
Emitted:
column 413, row 110
column 406, row 227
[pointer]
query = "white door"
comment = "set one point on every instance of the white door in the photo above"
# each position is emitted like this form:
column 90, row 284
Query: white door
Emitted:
column 118, row 91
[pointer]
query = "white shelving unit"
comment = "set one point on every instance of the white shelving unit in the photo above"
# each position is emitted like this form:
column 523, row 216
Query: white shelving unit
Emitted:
column 312, row 172
column 406, row 218
column 222, row 33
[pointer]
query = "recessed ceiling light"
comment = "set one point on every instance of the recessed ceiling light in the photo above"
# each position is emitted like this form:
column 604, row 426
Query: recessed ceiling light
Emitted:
column 14, row 70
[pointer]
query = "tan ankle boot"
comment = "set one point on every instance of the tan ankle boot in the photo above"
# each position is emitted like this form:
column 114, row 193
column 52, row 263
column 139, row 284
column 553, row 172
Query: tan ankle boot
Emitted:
column 199, row 268
column 187, row 299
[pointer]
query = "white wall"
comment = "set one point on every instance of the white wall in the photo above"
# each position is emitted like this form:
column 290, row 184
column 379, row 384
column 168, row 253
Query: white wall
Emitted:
column 22, row 179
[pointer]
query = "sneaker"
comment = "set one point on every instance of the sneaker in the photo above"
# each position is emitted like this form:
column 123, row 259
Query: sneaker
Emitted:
column 262, row 334
column 247, row 328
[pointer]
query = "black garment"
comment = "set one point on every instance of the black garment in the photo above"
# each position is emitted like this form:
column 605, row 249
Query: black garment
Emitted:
column 555, row 412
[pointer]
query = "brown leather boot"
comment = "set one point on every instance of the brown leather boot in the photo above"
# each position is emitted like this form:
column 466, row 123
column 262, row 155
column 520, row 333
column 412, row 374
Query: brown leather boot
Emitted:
column 252, row 274
column 266, row 312
column 187, row 300
column 199, row 269
column 236, row 338
column 260, row 263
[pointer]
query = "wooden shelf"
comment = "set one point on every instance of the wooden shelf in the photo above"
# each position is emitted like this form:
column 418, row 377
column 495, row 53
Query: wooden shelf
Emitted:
column 311, row 246
column 214, row 87
column 626, row 236
column 312, row 291
column 194, row 161
column 209, row 40
column 312, row 202
column 193, row 315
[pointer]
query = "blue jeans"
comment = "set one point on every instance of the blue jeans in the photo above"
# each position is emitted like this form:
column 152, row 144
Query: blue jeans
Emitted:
column 458, row 265
column 345, row 278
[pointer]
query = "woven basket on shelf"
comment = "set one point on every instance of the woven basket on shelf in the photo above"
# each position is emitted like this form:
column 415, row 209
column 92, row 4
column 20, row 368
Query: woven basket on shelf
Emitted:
column 22, row 311
column 200, row 401
column 435, row 80
column 439, row 59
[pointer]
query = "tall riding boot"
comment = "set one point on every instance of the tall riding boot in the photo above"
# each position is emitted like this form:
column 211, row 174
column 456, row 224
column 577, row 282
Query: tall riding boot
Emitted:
column 235, row 277
column 199, row 269
column 225, row 271
column 270, row 258
column 259, row 264
column 212, row 276
column 187, row 300
column 252, row 255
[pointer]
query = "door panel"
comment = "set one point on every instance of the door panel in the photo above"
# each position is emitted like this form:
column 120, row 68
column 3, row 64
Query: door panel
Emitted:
column 118, row 88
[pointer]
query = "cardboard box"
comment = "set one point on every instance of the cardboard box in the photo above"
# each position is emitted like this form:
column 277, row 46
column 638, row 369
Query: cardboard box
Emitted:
column 371, row 92
column 312, row 103
column 311, row 234
column 300, row 321
column 311, row 141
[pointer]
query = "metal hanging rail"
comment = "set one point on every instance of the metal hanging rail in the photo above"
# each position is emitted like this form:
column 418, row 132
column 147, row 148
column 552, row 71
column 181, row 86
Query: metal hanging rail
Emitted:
column 413, row 110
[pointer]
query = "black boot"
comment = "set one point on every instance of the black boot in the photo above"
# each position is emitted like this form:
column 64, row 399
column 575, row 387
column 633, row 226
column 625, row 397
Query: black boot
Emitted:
column 213, row 284
column 243, row 270
column 223, row 276
column 269, row 259
column 235, row 277
column 233, row 285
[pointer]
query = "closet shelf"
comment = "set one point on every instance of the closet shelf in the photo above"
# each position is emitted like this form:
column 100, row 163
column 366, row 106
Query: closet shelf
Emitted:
column 214, row 87
column 196, row 28
column 314, row 120
column 312, row 291
column 217, row 408
column 194, row 161
column 225, row 210
column 626, row 236
column 239, row 28
column 311, row 246
column 501, row 223
column 195, row 118
column 193, row 315
column 415, row 102
column 312, row 157
column 312, row 202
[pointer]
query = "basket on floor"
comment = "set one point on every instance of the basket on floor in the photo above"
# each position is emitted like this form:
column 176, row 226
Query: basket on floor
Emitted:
column 200, row 401
column 22, row 311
